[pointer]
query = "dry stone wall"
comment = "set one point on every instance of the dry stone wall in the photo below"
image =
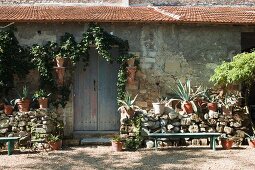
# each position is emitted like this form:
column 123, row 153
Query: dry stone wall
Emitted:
column 36, row 124
column 174, row 121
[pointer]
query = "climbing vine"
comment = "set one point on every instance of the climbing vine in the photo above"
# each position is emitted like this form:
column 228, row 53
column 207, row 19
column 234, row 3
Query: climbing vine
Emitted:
column 13, row 60
column 43, row 57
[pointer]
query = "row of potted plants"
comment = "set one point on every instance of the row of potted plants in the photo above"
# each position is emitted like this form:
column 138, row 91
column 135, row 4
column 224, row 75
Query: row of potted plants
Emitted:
column 23, row 101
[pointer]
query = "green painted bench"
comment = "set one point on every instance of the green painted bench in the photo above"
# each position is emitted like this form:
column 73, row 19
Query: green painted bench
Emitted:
column 10, row 141
column 212, row 137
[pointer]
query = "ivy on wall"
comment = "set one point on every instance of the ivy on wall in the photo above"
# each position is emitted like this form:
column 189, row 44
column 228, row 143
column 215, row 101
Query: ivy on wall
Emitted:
column 43, row 57
column 14, row 60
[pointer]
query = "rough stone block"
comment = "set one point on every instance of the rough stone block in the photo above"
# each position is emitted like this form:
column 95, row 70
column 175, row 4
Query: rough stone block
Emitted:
column 172, row 66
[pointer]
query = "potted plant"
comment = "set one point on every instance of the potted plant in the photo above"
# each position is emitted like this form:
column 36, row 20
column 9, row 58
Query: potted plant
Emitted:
column 251, row 140
column 186, row 96
column 159, row 106
column 8, row 106
column 59, row 60
column 23, row 102
column 127, row 105
column 54, row 141
column 211, row 99
column 226, row 142
column 117, row 143
column 227, row 104
column 42, row 98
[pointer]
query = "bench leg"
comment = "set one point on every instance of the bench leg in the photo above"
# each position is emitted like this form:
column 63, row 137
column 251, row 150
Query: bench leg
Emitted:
column 213, row 143
column 156, row 144
column 10, row 147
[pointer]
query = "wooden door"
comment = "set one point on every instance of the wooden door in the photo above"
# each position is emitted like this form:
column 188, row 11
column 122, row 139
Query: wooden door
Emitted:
column 95, row 94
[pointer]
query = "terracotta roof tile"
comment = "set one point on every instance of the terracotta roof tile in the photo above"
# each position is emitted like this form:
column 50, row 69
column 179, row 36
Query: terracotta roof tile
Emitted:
column 220, row 15
column 76, row 13
column 170, row 14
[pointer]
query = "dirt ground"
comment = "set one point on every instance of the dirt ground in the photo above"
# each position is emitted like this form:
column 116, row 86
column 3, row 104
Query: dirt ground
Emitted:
column 101, row 157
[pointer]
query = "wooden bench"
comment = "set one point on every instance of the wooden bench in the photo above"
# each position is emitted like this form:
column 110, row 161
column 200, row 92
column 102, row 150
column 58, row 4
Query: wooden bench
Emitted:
column 212, row 137
column 10, row 141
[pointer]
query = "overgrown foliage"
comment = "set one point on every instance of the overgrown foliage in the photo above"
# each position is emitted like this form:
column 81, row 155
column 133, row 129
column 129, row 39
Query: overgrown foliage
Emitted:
column 13, row 60
column 240, row 70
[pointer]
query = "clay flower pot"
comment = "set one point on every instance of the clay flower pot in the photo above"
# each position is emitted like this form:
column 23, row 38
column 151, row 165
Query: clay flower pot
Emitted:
column 43, row 103
column 131, row 74
column 159, row 108
column 117, row 146
column 226, row 143
column 23, row 105
column 55, row 145
column 60, row 61
column 8, row 109
column 227, row 110
column 131, row 62
column 188, row 107
column 251, row 143
column 212, row 106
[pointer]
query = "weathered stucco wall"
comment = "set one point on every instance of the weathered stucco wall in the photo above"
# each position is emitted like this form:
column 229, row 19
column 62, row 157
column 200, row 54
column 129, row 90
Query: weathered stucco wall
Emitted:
column 166, row 52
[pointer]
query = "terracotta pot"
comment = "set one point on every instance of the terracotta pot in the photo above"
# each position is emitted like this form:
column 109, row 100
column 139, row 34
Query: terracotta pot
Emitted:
column 188, row 107
column 55, row 145
column 159, row 108
column 226, row 143
column 227, row 111
column 117, row 146
column 212, row 106
column 251, row 143
column 23, row 105
column 130, row 112
column 8, row 109
column 60, row 61
column 131, row 62
column 131, row 74
column 43, row 103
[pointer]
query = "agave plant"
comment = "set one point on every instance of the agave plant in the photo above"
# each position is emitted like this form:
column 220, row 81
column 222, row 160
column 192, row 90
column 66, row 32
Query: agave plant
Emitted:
column 128, row 104
column 186, row 94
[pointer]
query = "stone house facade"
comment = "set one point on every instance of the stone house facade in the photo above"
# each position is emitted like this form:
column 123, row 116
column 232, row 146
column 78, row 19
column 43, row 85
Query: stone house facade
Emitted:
column 173, row 44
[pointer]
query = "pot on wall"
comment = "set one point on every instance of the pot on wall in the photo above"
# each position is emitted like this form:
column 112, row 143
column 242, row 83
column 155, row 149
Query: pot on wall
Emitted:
column 226, row 143
column 23, row 105
column 188, row 107
column 8, row 109
column 212, row 106
column 131, row 74
column 227, row 110
column 60, row 61
column 43, row 103
column 159, row 108
column 117, row 146
column 131, row 62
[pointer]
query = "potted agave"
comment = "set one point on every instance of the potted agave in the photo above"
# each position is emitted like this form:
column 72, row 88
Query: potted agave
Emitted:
column 42, row 98
column 186, row 95
column 127, row 105
column 23, row 101
column 54, row 141
column 117, row 143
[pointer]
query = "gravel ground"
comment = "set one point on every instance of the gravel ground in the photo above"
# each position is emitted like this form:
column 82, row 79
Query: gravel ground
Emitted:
column 101, row 157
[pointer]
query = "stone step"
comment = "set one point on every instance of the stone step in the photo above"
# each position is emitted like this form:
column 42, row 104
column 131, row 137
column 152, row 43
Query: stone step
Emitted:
column 91, row 134
column 95, row 141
